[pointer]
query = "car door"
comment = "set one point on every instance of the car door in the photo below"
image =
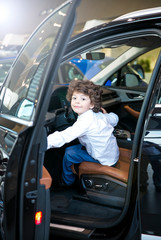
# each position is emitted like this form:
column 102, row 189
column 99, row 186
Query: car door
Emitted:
column 150, row 164
column 25, row 206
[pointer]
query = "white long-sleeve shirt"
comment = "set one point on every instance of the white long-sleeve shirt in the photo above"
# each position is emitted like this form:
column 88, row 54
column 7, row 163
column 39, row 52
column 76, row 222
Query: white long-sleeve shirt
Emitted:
column 95, row 132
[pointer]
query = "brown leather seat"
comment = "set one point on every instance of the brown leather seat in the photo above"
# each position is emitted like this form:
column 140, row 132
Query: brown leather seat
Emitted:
column 46, row 178
column 119, row 172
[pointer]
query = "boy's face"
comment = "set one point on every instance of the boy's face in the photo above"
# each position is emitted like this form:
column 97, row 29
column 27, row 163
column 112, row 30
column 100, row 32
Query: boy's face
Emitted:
column 80, row 103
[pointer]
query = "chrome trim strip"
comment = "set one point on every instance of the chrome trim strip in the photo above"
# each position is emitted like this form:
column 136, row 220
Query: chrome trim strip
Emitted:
column 17, row 120
column 150, row 237
column 136, row 159
column 66, row 227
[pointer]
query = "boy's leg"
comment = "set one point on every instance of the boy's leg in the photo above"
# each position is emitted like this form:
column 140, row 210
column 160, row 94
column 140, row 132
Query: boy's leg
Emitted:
column 74, row 154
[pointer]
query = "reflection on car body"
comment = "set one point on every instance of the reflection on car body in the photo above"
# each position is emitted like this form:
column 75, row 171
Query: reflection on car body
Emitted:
column 105, row 202
column 5, row 64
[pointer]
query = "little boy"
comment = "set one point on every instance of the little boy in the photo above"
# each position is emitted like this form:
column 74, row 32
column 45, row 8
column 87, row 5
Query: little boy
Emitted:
column 93, row 128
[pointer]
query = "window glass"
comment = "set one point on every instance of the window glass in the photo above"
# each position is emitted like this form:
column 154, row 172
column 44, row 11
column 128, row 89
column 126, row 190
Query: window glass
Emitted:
column 26, row 78
column 145, row 64
column 89, row 64
column 119, row 64
column 137, row 72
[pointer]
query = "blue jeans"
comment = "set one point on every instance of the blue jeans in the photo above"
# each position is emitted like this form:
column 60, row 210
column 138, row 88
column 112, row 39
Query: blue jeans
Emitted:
column 74, row 154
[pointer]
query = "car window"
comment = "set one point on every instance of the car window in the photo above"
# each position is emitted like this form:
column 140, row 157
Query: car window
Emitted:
column 88, row 64
column 27, row 75
column 69, row 71
column 127, row 64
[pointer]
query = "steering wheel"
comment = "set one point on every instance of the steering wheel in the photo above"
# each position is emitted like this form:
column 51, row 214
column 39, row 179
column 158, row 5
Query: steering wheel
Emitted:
column 60, row 119
column 60, row 114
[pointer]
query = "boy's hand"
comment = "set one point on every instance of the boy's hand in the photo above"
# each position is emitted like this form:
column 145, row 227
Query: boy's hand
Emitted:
column 126, row 107
column 103, row 110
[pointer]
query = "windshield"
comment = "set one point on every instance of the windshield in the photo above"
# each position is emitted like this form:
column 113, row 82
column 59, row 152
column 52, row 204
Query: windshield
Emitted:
column 124, row 63
column 26, row 78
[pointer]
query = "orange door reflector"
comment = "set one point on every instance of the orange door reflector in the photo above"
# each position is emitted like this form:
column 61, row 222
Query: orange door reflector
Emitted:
column 38, row 217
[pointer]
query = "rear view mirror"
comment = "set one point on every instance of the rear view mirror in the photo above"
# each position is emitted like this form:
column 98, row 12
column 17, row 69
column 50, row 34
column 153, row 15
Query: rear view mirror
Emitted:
column 95, row 55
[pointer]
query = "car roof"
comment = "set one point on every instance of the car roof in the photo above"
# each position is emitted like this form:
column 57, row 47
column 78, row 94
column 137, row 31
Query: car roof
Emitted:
column 139, row 13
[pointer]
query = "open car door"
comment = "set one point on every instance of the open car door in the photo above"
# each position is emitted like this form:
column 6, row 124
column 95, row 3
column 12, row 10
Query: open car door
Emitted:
column 25, row 203
column 149, row 160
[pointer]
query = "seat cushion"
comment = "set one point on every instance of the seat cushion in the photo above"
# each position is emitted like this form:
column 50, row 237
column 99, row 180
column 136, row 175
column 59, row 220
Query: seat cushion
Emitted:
column 120, row 171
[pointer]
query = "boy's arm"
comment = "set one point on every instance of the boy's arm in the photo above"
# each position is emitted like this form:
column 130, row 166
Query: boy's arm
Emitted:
column 58, row 139
column 112, row 117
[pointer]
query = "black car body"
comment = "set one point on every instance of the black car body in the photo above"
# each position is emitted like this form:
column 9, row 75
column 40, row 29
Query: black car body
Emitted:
column 113, row 203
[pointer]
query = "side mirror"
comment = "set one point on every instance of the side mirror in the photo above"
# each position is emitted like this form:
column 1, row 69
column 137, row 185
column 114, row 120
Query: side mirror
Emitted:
column 25, row 110
column 138, row 68
column 131, row 80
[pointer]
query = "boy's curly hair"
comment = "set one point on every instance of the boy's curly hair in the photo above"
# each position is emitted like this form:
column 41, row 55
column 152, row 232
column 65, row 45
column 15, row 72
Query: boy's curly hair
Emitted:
column 88, row 88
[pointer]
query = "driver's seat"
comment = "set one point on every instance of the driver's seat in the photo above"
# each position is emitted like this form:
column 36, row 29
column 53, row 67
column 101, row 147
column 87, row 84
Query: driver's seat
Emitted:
column 104, row 184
